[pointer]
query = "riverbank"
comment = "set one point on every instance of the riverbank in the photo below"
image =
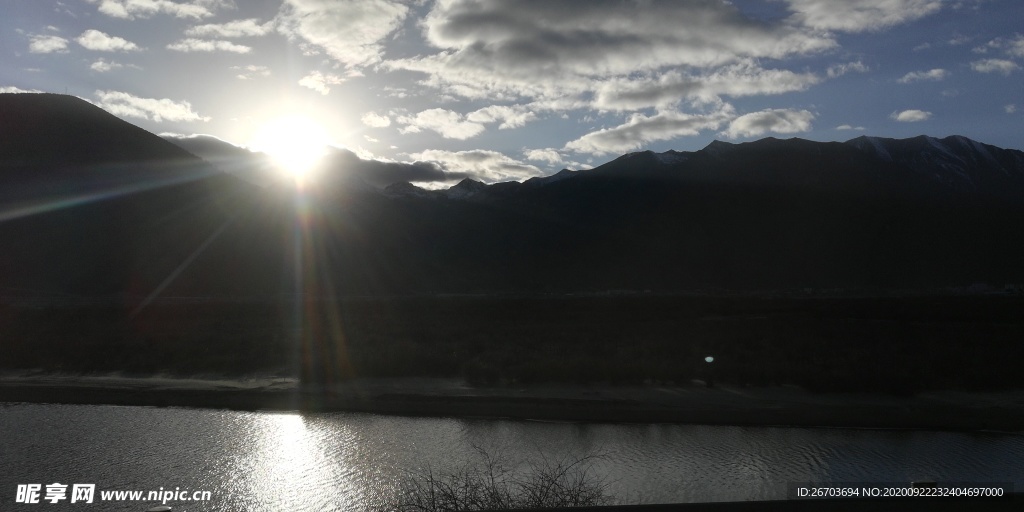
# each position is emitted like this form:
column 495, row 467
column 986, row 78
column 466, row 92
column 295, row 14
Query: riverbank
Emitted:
column 694, row 404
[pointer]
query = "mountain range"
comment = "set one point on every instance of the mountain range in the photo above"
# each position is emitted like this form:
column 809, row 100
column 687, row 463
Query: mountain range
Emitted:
column 95, row 207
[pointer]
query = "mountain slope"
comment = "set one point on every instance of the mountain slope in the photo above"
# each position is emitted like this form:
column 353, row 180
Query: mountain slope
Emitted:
column 54, row 130
column 97, row 206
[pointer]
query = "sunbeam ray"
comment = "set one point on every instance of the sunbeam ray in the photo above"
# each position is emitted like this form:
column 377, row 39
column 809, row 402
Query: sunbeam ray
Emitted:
column 319, row 331
column 54, row 204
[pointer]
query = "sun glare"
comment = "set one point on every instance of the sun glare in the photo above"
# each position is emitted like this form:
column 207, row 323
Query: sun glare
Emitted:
column 296, row 144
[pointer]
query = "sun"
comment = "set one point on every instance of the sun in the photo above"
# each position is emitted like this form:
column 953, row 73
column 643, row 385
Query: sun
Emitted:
column 295, row 143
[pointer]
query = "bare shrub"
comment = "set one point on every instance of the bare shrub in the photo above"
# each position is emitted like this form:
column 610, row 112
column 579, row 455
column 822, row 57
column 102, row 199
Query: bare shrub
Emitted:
column 492, row 484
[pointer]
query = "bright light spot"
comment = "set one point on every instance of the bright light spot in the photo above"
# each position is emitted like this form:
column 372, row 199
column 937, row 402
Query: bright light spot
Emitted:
column 709, row 359
column 284, row 451
column 296, row 144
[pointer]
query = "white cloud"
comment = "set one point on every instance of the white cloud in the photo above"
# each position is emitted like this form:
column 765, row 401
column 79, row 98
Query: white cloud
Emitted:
column 451, row 125
column 204, row 45
column 216, row 4
column 743, row 79
column 10, row 89
column 860, row 15
column 845, row 127
column 838, row 70
column 482, row 165
column 321, row 82
column 911, row 116
column 131, row 9
column 1011, row 108
column 376, row 120
column 1015, row 47
column 968, row 4
column 116, row 9
column 47, row 44
column 564, row 49
column 99, row 41
column 103, row 65
column 176, row 135
column 959, row 39
column 995, row 66
column 157, row 110
column 251, row 71
column 931, row 75
column 238, row 28
column 510, row 117
column 549, row 155
column 396, row 92
column 349, row 32
column 641, row 129
column 594, row 40
column 771, row 120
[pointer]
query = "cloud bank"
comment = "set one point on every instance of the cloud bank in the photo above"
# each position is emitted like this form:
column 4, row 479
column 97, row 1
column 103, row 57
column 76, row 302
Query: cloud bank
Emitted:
column 772, row 120
column 349, row 32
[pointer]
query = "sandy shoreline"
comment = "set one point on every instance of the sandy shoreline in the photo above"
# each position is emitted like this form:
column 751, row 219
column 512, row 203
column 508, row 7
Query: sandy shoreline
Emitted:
column 447, row 397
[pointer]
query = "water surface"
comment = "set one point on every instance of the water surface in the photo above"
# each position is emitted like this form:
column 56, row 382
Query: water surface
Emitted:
column 262, row 461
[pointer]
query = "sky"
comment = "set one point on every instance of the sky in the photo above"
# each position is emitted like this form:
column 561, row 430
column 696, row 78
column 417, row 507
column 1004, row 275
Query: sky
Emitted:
column 506, row 90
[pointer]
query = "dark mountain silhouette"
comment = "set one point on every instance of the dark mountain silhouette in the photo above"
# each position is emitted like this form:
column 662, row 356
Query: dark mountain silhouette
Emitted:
column 208, row 147
column 52, row 130
column 766, row 215
column 94, row 206
column 759, row 216
column 959, row 163
column 251, row 166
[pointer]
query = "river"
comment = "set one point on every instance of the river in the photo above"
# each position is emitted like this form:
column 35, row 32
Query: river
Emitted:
column 263, row 461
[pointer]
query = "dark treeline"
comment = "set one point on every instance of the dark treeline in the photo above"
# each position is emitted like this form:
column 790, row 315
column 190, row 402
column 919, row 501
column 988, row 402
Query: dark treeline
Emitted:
column 895, row 345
